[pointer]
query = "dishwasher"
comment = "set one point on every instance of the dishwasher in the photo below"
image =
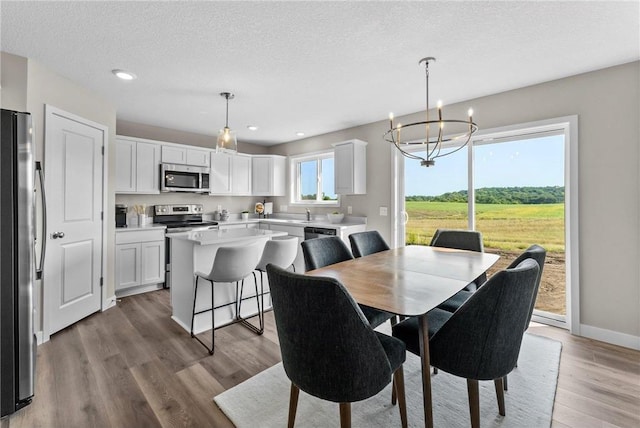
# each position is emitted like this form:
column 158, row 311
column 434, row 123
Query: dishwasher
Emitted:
column 318, row 232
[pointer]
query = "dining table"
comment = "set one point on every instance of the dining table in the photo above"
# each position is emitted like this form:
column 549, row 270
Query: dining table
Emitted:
column 410, row 281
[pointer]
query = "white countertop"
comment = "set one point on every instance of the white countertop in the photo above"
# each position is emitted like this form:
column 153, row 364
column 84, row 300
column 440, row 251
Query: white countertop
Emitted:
column 217, row 237
column 319, row 221
column 137, row 228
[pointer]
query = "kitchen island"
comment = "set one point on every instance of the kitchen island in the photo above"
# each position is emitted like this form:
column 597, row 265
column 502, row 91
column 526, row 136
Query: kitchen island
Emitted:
column 196, row 250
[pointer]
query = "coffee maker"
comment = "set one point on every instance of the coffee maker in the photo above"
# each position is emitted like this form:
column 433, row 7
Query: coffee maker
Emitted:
column 121, row 216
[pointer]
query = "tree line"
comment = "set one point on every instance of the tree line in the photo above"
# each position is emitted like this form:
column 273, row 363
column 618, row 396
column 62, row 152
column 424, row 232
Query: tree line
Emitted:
column 501, row 195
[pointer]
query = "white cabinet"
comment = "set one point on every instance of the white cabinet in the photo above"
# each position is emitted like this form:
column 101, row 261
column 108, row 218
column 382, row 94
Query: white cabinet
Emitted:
column 350, row 169
column 241, row 175
column 220, row 177
column 268, row 175
column 137, row 166
column 185, row 155
column 230, row 174
column 140, row 261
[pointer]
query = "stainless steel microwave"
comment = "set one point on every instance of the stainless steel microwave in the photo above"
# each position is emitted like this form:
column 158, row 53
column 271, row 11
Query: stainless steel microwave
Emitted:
column 184, row 178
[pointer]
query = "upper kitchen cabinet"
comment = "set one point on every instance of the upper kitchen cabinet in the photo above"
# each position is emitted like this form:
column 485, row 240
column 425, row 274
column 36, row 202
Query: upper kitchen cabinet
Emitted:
column 268, row 175
column 350, row 171
column 230, row 174
column 185, row 155
column 137, row 166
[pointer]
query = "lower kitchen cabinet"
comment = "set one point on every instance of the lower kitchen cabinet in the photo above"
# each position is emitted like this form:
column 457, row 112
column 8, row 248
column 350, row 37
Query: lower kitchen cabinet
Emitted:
column 140, row 261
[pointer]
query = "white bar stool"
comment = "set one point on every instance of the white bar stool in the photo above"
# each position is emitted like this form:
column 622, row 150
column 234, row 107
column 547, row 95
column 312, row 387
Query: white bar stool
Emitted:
column 280, row 251
column 231, row 264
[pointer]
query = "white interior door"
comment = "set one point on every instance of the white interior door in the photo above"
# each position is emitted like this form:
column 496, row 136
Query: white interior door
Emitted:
column 73, row 182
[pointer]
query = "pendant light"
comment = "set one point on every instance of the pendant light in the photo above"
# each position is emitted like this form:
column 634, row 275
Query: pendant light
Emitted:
column 227, row 141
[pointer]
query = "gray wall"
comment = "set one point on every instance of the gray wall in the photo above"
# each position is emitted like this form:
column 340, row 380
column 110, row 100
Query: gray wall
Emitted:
column 607, row 104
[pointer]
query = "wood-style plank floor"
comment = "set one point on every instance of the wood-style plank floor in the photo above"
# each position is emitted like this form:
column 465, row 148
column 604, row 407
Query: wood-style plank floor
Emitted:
column 132, row 366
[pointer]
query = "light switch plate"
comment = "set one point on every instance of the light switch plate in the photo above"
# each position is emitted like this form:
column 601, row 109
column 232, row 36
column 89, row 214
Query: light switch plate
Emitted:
column 283, row 208
column 349, row 210
column 383, row 211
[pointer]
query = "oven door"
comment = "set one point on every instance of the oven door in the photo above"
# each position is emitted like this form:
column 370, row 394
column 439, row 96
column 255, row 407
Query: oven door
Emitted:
column 183, row 178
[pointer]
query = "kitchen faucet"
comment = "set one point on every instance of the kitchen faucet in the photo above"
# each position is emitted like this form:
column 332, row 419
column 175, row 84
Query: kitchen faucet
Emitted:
column 308, row 214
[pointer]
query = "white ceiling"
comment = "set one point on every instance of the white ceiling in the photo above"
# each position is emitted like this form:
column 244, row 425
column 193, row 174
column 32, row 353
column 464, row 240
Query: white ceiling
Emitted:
column 313, row 67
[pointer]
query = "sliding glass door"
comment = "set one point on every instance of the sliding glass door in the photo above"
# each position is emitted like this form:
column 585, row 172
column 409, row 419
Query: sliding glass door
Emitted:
column 513, row 186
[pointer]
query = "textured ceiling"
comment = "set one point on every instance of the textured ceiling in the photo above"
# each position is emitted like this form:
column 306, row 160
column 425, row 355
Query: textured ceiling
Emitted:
column 313, row 67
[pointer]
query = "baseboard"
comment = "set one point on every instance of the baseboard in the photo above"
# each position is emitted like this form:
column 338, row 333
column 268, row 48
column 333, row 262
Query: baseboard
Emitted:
column 610, row 336
column 109, row 303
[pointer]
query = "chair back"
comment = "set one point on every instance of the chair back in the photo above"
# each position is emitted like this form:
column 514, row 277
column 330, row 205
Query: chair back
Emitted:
column 539, row 254
column 482, row 338
column 280, row 252
column 459, row 239
column 365, row 243
column 329, row 350
column 233, row 264
column 321, row 252
column 470, row 240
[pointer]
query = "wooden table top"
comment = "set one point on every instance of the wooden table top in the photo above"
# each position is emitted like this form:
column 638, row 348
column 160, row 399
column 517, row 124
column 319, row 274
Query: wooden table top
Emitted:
column 409, row 280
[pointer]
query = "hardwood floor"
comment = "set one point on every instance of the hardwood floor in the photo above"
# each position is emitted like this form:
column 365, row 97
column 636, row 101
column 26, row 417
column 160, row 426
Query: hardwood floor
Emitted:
column 132, row 366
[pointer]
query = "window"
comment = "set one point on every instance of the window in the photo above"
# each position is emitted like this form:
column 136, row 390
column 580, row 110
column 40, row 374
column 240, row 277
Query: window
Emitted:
column 313, row 180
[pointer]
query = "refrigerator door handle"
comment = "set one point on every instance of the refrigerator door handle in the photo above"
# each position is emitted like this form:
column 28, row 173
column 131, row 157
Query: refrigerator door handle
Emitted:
column 44, row 220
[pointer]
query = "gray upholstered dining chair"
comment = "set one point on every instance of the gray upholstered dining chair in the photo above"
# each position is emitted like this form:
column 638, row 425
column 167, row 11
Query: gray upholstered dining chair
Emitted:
column 535, row 252
column 368, row 242
column 470, row 240
column 230, row 264
column 342, row 365
column 482, row 339
column 281, row 252
column 321, row 252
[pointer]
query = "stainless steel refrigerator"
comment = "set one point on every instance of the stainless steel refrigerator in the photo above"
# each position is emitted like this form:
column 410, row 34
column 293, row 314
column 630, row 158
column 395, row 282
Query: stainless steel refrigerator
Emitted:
column 17, row 261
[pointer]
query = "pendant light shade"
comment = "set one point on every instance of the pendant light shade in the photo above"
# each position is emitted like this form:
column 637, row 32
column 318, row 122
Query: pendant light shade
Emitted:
column 227, row 141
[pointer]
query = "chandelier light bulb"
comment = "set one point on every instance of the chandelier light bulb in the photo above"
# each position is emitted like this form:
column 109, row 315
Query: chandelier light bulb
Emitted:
column 439, row 104
column 470, row 112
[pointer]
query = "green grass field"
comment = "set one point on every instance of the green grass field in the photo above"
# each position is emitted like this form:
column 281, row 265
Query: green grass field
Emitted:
column 503, row 226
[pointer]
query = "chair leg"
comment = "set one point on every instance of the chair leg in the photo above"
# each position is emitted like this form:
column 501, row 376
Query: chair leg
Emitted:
column 435, row 370
column 194, row 313
column 398, row 383
column 500, row 394
column 394, row 396
column 345, row 415
column 474, row 402
column 504, row 383
column 293, row 404
column 259, row 302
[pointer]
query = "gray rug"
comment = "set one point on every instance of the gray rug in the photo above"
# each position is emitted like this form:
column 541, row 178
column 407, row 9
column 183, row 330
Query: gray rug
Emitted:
column 263, row 400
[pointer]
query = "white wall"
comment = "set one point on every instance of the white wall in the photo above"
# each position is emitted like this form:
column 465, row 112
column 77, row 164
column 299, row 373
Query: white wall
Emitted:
column 607, row 103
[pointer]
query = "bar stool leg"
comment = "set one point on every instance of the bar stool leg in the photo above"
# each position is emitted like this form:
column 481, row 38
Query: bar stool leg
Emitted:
column 246, row 323
column 194, row 313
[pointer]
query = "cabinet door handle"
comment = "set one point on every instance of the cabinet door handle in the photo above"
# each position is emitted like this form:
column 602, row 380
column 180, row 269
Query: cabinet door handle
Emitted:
column 56, row 235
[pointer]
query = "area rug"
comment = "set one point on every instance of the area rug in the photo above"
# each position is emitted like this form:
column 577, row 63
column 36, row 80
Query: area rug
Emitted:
column 263, row 400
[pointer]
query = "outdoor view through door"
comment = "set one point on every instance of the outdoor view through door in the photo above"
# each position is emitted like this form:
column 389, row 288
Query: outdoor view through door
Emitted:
column 517, row 184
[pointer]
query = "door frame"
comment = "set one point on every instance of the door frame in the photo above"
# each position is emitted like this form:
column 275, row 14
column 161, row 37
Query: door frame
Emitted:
column 51, row 111
column 569, row 124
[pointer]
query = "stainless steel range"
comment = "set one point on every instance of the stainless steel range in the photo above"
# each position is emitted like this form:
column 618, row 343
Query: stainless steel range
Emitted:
column 179, row 218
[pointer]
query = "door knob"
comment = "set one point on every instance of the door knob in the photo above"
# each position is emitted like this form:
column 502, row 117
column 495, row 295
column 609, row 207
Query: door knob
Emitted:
column 56, row 235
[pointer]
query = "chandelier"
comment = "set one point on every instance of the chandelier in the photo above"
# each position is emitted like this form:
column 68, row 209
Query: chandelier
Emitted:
column 227, row 141
column 434, row 142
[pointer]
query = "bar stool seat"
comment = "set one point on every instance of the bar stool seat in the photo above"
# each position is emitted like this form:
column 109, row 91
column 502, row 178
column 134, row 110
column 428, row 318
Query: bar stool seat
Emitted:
column 231, row 264
column 279, row 251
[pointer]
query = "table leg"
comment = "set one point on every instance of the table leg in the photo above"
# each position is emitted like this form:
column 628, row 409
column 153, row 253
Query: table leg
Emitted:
column 426, row 370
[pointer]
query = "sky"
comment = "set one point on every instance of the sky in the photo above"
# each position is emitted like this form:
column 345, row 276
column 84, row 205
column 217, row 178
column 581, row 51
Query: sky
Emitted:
column 533, row 162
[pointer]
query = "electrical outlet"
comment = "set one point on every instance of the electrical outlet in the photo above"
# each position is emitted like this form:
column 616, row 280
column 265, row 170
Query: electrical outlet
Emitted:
column 349, row 210
column 283, row 208
column 383, row 211
column 219, row 208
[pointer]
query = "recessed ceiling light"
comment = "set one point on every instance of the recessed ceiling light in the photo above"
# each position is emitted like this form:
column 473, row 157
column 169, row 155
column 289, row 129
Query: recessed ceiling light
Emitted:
column 252, row 128
column 123, row 74
column 300, row 134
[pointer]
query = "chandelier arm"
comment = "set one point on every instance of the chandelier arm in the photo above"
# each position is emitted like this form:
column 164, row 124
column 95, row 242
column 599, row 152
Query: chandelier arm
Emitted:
column 409, row 154
column 453, row 151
